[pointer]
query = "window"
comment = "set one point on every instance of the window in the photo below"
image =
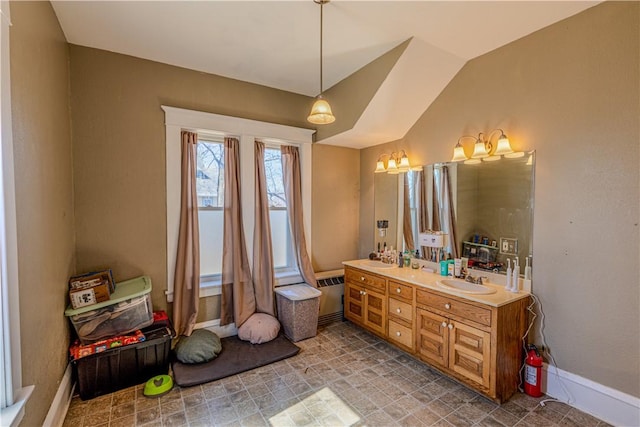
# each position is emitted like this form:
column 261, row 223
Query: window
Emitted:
column 210, row 192
column 283, row 256
column 211, row 129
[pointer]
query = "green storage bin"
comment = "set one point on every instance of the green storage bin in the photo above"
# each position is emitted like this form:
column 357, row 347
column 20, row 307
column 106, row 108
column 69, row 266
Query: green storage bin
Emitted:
column 128, row 309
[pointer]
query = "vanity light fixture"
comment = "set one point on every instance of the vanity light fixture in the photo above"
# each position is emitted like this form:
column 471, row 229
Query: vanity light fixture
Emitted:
column 397, row 163
column 321, row 113
column 482, row 149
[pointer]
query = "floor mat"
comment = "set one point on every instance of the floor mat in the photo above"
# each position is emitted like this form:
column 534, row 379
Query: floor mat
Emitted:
column 236, row 356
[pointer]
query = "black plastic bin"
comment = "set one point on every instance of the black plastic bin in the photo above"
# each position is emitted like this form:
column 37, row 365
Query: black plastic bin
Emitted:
column 123, row 367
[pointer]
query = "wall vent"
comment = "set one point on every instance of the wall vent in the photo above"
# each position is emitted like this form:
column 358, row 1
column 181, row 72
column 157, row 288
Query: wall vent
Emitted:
column 331, row 284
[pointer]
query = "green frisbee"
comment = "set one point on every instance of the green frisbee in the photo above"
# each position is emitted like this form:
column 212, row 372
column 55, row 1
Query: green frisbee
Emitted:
column 158, row 385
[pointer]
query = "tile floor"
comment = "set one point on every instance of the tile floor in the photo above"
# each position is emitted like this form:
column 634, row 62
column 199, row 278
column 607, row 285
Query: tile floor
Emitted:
column 342, row 377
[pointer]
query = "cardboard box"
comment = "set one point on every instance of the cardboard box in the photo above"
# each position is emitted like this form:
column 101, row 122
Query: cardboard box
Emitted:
column 91, row 295
column 95, row 278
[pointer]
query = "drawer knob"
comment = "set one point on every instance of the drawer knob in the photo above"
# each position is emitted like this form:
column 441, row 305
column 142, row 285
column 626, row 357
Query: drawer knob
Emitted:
column 444, row 324
column 450, row 326
column 447, row 306
column 398, row 310
column 398, row 333
column 364, row 292
column 362, row 278
column 398, row 290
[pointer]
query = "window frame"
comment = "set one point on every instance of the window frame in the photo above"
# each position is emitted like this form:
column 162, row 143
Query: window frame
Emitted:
column 13, row 395
column 247, row 131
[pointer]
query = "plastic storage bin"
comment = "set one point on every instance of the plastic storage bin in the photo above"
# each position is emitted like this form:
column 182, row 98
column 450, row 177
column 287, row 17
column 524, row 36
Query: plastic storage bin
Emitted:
column 298, row 307
column 128, row 309
column 122, row 367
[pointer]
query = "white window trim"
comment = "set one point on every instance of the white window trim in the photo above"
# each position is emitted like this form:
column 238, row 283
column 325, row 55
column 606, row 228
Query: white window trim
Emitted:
column 13, row 395
column 178, row 119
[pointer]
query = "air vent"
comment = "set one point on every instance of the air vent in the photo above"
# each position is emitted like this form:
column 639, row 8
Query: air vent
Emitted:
column 331, row 284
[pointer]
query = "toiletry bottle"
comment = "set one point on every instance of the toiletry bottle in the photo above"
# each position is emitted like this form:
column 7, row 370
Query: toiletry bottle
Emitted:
column 407, row 259
column 507, row 286
column 527, row 270
column 443, row 267
column 516, row 276
column 457, row 267
column 450, row 267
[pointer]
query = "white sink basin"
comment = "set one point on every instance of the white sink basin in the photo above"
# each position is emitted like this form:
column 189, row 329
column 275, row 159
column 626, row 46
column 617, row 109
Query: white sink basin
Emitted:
column 465, row 287
column 378, row 264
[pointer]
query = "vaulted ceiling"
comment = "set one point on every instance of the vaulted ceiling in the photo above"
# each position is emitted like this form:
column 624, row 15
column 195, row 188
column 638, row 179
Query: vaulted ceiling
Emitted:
column 276, row 44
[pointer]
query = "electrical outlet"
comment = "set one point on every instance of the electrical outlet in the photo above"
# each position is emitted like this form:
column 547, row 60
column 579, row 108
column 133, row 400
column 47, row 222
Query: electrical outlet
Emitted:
column 508, row 246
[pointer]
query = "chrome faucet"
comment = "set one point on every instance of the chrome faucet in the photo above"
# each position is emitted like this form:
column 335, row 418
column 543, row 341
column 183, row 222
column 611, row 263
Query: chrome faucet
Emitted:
column 477, row 280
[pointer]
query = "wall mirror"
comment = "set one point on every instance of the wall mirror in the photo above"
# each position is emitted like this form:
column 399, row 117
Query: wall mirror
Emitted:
column 485, row 209
column 386, row 193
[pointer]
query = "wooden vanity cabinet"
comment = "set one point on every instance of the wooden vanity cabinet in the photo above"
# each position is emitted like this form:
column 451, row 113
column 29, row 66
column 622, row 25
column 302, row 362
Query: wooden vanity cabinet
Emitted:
column 477, row 344
column 401, row 315
column 365, row 300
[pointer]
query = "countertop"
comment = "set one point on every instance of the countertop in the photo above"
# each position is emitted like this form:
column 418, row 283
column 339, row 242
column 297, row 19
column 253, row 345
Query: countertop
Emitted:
column 428, row 280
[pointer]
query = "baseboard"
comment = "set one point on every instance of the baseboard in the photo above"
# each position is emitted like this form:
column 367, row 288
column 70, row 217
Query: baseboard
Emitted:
column 214, row 326
column 60, row 404
column 610, row 405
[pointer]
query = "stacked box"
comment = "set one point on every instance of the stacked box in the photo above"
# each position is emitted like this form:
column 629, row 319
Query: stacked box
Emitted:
column 122, row 367
column 128, row 309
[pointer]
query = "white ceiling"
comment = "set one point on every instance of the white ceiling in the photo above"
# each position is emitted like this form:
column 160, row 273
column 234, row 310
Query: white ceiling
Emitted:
column 276, row 43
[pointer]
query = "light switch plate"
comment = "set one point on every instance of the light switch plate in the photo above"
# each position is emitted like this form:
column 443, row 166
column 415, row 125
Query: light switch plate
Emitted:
column 508, row 246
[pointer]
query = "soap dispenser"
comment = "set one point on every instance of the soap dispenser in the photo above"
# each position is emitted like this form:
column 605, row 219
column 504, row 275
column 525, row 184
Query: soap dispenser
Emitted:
column 516, row 276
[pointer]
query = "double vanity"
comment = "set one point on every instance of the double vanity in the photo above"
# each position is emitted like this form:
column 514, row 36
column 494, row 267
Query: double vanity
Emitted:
column 472, row 333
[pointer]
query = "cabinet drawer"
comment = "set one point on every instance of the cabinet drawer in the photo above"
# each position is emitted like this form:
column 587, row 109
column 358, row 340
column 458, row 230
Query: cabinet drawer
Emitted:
column 400, row 334
column 366, row 279
column 401, row 290
column 400, row 309
column 454, row 307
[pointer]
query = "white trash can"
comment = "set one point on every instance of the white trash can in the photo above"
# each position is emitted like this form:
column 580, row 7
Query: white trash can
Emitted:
column 298, row 307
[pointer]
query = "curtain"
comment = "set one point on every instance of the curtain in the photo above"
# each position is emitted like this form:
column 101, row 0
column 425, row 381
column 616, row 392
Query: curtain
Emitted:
column 293, row 194
column 407, row 229
column 186, row 287
column 263, row 277
column 238, row 300
column 423, row 212
column 449, row 218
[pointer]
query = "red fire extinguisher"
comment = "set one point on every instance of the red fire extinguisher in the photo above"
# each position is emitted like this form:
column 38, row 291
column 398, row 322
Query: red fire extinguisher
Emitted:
column 533, row 372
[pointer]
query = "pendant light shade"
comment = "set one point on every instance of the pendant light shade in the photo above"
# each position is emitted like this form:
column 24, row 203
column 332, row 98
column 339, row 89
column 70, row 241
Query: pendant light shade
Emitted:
column 321, row 113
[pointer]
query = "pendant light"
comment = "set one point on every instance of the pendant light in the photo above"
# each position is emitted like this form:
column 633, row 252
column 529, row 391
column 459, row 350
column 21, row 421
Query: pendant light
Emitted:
column 321, row 111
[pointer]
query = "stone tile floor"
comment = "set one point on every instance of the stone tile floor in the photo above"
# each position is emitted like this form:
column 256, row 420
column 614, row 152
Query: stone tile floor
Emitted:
column 342, row 377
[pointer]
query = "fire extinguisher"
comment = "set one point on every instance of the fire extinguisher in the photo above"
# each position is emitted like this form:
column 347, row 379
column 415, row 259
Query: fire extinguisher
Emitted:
column 533, row 372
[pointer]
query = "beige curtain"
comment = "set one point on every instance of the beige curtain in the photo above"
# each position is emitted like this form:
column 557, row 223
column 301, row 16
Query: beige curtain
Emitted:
column 238, row 300
column 293, row 194
column 450, row 217
column 186, row 287
column 263, row 277
column 423, row 212
column 407, row 229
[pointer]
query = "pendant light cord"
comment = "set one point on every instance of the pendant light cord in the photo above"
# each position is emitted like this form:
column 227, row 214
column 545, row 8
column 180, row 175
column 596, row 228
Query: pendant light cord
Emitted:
column 321, row 26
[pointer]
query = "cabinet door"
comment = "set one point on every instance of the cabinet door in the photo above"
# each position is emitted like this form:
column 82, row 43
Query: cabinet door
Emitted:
column 470, row 352
column 433, row 337
column 354, row 303
column 375, row 311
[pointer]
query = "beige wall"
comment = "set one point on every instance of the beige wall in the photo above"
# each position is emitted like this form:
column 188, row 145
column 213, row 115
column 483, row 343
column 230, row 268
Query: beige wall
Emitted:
column 335, row 202
column 44, row 198
column 571, row 92
column 119, row 161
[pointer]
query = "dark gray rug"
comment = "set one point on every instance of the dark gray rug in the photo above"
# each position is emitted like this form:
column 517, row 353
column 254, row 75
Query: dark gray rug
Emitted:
column 236, row 356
